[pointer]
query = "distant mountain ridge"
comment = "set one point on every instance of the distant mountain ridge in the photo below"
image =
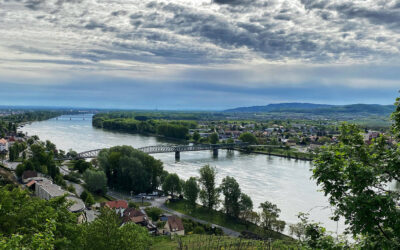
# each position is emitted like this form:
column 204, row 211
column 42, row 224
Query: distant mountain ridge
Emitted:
column 317, row 108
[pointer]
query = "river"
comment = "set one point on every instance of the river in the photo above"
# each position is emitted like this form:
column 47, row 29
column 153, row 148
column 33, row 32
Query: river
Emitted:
column 285, row 182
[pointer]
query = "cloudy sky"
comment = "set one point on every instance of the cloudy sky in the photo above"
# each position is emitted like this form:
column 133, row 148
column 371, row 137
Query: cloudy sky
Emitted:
column 198, row 54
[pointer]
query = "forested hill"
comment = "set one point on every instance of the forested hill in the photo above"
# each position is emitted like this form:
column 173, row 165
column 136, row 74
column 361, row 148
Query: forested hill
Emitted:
column 319, row 108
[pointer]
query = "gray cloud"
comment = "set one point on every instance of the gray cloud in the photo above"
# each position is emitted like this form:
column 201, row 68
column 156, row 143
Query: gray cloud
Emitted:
column 204, row 32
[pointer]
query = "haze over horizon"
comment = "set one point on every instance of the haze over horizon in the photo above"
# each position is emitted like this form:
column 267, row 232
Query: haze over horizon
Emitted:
column 198, row 55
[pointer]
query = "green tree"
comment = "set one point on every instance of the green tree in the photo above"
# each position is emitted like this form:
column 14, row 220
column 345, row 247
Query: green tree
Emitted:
column 246, row 207
column 172, row 184
column 81, row 165
column 154, row 213
column 191, row 191
column 96, row 181
column 356, row 178
column 29, row 220
column 248, row 138
column 269, row 217
column 106, row 232
column 130, row 170
column 213, row 138
column 196, row 136
column 89, row 200
column 231, row 190
column 209, row 194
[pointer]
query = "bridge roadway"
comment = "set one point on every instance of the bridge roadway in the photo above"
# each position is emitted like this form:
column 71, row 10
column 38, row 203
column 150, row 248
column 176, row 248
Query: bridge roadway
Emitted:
column 173, row 148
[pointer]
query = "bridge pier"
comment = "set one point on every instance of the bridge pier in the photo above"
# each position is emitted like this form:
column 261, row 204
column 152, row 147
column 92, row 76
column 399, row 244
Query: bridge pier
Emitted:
column 177, row 155
column 215, row 152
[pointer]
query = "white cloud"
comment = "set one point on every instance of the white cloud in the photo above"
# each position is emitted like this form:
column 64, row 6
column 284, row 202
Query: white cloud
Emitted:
column 259, row 42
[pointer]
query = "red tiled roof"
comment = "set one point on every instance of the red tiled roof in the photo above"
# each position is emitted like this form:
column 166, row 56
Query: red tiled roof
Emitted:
column 3, row 141
column 117, row 204
column 131, row 212
column 175, row 223
column 31, row 183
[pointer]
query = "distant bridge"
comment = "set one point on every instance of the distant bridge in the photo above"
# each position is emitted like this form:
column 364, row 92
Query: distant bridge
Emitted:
column 173, row 149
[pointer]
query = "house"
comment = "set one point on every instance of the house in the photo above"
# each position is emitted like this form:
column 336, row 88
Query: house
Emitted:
column 134, row 215
column 3, row 145
column 173, row 226
column 119, row 206
column 45, row 189
column 28, row 174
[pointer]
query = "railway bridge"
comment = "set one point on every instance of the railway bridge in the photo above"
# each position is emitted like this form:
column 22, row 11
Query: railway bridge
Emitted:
column 177, row 149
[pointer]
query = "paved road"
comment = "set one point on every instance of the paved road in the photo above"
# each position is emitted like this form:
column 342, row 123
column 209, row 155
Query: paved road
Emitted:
column 160, row 203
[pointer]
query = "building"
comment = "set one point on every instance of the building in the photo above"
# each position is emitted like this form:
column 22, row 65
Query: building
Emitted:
column 3, row 145
column 173, row 226
column 119, row 206
column 26, row 175
column 134, row 215
column 45, row 189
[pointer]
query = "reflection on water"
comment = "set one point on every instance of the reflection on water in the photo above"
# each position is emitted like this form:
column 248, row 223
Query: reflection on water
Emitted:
column 285, row 182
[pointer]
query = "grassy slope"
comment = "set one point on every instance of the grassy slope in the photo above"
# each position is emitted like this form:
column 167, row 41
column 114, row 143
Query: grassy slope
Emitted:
column 219, row 218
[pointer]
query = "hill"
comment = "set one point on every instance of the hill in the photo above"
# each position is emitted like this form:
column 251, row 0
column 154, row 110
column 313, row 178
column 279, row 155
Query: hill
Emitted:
column 320, row 109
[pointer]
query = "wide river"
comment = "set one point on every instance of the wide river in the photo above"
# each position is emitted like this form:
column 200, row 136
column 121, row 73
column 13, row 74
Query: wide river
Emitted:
column 285, row 182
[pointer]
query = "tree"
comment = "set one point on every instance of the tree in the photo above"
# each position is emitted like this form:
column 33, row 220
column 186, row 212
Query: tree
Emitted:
column 27, row 221
column 231, row 190
column 356, row 176
column 129, row 169
column 213, row 138
column 172, row 184
column 248, row 138
column 196, row 136
column 81, row 165
column 106, row 232
column 84, row 195
column 269, row 217
column 191, row 191
column 89, row 200
column 96, row 181
column 209, row 194
column 154, row 213
column 246, row 207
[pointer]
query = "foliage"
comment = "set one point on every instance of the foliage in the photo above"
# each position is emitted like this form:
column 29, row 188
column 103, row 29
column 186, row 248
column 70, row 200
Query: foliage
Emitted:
column 231, row 190
column 106, row 232
column 130, row 170
column 222, row 219
column 143, row 124
column 96, row 181
column 213, row 138
column 356, row 177
column 191, row 191
column 248, row 137
column 172, row 184
column 81, row 165
column 154, row 213
column 27, row 221
column 269, row 217
column 199, row 228
column 209, row 194
column 196, row 136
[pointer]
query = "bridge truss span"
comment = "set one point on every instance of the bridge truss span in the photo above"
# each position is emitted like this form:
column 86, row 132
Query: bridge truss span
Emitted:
column 172, row 148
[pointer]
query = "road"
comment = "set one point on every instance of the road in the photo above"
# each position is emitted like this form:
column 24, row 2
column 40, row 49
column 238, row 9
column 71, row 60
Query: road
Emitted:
column 160, row 203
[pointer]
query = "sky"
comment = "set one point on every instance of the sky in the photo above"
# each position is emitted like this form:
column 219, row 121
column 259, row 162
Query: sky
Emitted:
column 198, row 54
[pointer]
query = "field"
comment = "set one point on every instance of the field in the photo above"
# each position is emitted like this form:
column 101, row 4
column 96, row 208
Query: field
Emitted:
column 218, row 242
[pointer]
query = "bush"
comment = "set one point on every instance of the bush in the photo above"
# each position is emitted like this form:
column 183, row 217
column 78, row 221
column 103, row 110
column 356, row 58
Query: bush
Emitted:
column 199, row 230
column 154, row 213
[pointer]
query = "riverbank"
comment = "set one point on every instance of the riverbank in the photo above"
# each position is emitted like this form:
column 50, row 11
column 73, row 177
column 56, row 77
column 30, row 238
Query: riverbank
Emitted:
column 280, row 155
column 219, row 218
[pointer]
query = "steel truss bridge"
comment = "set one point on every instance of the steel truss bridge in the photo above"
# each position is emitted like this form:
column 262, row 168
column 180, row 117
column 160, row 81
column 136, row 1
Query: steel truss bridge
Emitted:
column 173, row 149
